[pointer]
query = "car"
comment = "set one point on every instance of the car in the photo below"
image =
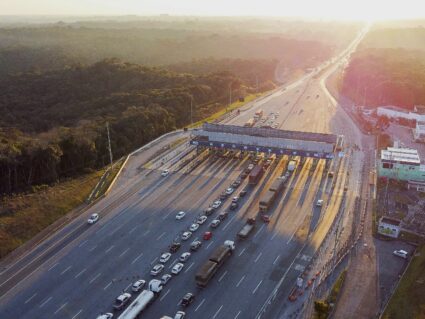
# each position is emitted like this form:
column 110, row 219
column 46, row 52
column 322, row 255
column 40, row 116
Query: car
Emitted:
column 122, row 300
column 165, row 172
column 209, row 211
column 187, row 299
column 194, row 246
column 194, row 227
column 319, row 202
column 242, row 193
column 236, row 183
column 177, row 268
column 180, row 215
column 186, row 235
column 138, row 285
column 165, row 278
column 244, row 175
column 184, row 257
column 330, row 174
column 207, row 235
column 229, row 191
column 93, row 218
column 215, row 223
column 158, row 268
column 180, row 315
column 223, row 196
column 174, row 247
column 265, row 218
column 250, row 167
column 222, row 215
column 216, row 204
column 235, row 199
column 234, row 205
column 106, row 315
column 401, row 253
column 202, row 219
column 164, row 257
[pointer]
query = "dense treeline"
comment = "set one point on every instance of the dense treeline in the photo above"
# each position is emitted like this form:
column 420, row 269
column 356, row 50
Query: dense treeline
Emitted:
column 54, row 122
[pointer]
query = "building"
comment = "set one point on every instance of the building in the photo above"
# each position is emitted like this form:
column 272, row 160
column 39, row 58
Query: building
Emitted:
column 402, row 164
column 395, row 112
column 419, row 132
column 389, row 227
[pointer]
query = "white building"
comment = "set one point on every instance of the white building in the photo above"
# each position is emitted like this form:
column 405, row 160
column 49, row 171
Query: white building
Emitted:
column 419, row 132
column 389, row 227
column 396, row 112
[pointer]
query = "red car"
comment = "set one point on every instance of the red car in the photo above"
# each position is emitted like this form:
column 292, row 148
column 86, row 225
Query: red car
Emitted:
column 207, row 235
column 265, row 218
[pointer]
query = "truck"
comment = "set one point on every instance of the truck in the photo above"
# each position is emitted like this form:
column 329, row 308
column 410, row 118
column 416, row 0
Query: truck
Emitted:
column 258, row 114
column 214, row 262
column 255, row 175
column 138, row 305
column 250, row 123
column 291, row 166
column 247, row 228
column 268, row 199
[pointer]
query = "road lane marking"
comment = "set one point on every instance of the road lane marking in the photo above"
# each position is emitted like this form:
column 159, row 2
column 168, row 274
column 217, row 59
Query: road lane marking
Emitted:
column 237, row 315
column 116, row 229
column 60, row 308
column 275, row 261
column 240, row 281
column 80, row 273
column 256, row 259
column 171, row 266
column 209, row 244
column 107, row 286
column 109, row 249
column 76, row 315
column 53, row 266
column 200, row 304
column 274, row 235
column 160, row 236
column 219, row 309
column 128, row 286
column 222, row 276
column 153, row 261
column 261, row 228
column 261, row 281
column 135, row 259
column 189, row 267
column 94, row 278
column 93, row 248
column 83, row 243
column 146, row 232
column 163, row 296
column 29, row 299
column 165, row 216
column 242, row 251
column 124, row 252
column 228, row 223
column 68, row 268
column 46, row 301
column 133, row 229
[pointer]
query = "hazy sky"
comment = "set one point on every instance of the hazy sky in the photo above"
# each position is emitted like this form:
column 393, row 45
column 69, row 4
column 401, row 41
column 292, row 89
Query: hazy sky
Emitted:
column 339, row 9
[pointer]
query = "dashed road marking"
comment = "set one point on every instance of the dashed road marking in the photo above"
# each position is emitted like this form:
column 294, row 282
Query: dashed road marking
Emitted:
column 242, row 251
column 276, row 259
column 240, row 281
column 258, row 257
column 94, row 278
column 135, row 259
column 77, row 314
column 80, row 273
column 209, row 244
column 30, row 298
column 109, row 249
column 124, row 252
column 253, row 292
column 217, row 312
column 222, row 276
column 237, row 315
column 189, row 267
column 68, row 268
column 164, row 295
column 160, row 236
column 60, row 308
column 53, row 266
column 200, row 304
column 133, row 229
column 46, row 301
column 107, row 286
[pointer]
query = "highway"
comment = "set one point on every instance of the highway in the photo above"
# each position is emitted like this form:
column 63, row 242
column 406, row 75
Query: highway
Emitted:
column 81, row 269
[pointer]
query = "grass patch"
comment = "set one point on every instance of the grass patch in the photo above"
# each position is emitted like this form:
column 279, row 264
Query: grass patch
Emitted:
column 408, row 300
column 333, row 295
column 412, row 238
column 106, row 180
column 24, row 216
column 324, row 307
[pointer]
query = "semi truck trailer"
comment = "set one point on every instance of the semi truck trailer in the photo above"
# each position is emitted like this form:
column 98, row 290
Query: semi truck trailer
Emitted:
column 247, row 228
column 255, row 175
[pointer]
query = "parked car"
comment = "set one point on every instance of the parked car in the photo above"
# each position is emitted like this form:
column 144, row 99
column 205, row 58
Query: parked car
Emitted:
column 242, row 193
column 138, row 285
column 216, row 204
column 187, row 299
column 194, row 246
column 106, row 315
column 93, row 218
column 122, row 300
column 207, row 235
column 236, row 183
column 164, row 257
column 209, row 211
column 184, row 257
column 235, row 199
column 165, row 172
column 165, row 278
column 202, row 219
column 180, row 215
column 174, row 247
column 401, row 253
column 177, row 268
column 157, row 269
column 223, row 196
column 180, row 315
column 194, row 227
column 234, row 205
column 222, row 215
column 229, row 191
column 186, row 235
column 215, row 223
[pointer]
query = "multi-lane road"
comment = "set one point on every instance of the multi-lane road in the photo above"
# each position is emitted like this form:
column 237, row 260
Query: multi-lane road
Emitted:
column 80, row 270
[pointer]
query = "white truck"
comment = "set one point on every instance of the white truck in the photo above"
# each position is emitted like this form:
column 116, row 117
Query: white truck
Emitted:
column 291, row 166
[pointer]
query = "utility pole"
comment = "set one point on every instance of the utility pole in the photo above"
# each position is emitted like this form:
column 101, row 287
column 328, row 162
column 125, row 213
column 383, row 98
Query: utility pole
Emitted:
column 109, row 144
column 191, row 109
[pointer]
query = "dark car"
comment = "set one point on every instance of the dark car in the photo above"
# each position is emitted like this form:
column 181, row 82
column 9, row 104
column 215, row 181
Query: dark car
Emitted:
column 242, row 193
column 195, row 245
column 187, row 299
column 265, row 218
column 223, row 196
column 174, row 247
column 223, row 215
column 236, row 183
column 234, row 205
column 209, row 211
column 244, row 175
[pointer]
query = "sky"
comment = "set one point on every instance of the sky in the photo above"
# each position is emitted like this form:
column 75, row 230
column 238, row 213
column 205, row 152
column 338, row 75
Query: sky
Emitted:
column 326, row 9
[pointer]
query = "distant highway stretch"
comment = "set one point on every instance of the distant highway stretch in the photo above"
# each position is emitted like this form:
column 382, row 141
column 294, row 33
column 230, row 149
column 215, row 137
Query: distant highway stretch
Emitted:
column 79, row 271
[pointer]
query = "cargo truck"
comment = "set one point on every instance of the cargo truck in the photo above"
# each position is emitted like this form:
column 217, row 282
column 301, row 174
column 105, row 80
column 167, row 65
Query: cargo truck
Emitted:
column 268, row 199
column 213, row 264
column 247, row 228
column 255, row 175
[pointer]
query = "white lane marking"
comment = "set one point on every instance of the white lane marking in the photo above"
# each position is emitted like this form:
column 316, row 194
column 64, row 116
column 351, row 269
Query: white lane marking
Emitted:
column 219, row 309
column 53, row 266
column 68, row 268
column 29, row 299
column 124, row 252
column 261, row 281
column 116, row 229
column 60, row 308
column 240, row 281
column 200, row 304
column 109, row 249
column 237, row 315
column 222, row 276
column 209, row 244
column 146, row 232
column 76, row 315
column 46, row 301
column 242, row 251
column 171, row 266
column 261, row 228
column 153, row 261
column 160, row 236
column 275, row 261
column 83, row 243
column 228, row 223
column 189, row 267
column 135, row 259
column 94, row 278
column 133, row 229
column 93, row 248
column 80, row 273
column 107, row 286
column 274, row 235
column 258, row 257
column 127, row 286
column 164, row 295
column 165, row 216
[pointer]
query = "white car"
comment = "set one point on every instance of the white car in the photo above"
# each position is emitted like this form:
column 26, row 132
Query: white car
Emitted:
column 180, row 315
column 180, row 215
column 202, row 219
column 139, row 284
column 216, row 204
column 165, row 172
column 177, row 268
column 229, row 191
column 186, row 235
column 157, row 269
column 184, row 257
column 93, row 218
column 122, row 300
column 194, row 227
column 319, row 202
column 107, row 315
column 401, row 253
column 164, row 257
column 165, row 278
